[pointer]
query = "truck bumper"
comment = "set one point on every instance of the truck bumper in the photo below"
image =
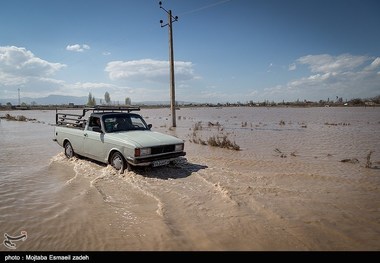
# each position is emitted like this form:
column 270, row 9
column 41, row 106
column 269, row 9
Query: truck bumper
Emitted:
column 155, row 160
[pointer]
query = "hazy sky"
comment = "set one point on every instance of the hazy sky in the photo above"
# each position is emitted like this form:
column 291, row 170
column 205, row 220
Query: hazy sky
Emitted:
column 224, row 50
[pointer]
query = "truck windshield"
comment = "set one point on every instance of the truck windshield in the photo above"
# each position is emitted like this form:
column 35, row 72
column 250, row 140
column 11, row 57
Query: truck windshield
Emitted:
column 124, row 123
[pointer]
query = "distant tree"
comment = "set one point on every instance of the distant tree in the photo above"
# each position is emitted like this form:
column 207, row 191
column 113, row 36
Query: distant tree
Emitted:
column 107, row 97
column 23, row 104
column 9, row 104
column 91, row 100
column 357, row 101
column 33, row 103
column 128, row 101
column 376, row 99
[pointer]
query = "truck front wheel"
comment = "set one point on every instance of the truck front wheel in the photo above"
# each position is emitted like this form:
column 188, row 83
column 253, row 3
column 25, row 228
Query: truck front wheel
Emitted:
column 69, row 151
column 118, row 162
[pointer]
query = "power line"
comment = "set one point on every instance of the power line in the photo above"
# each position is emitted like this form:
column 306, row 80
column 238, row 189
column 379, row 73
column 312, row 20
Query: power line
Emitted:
column 205, row 7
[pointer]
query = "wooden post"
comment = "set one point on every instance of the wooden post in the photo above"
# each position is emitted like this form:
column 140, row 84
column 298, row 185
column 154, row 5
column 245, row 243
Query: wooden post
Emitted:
column 172, row 83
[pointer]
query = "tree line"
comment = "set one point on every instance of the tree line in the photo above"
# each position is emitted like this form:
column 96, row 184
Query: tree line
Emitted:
column 91, row 102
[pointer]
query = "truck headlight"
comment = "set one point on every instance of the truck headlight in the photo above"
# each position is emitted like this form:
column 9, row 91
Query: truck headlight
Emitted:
column 179, row 147
column 142, row 151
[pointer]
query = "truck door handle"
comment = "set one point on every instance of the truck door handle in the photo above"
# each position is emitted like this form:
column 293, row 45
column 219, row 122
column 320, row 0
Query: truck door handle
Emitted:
column 85, row 135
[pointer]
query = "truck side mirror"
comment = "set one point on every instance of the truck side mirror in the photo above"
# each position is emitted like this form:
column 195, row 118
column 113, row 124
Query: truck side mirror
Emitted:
column 149, row 126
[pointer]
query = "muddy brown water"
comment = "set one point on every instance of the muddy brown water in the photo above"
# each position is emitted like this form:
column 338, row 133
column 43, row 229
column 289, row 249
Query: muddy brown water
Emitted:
column 285, row 189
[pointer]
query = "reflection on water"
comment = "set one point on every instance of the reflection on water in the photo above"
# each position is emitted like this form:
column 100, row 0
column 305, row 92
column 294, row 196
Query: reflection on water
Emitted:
column 285, row 189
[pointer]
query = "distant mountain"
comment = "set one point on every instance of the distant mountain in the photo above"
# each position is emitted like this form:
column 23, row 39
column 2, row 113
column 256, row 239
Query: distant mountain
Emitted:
column 149, row 103
column 59, row 99
column 49, row 100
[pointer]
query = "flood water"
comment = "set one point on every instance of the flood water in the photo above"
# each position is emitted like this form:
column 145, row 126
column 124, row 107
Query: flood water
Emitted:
column 287, row 188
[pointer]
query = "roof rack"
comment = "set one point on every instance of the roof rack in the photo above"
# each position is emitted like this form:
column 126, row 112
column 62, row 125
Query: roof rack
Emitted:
column 77, row 120
column 111, row 109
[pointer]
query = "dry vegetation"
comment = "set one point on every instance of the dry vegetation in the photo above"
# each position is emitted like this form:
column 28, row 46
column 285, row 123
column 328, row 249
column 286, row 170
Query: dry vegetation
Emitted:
column 368, row 162
column 222, row 142
column 284, row 155
column 337, row 124
column 16, row 118
column 220, row 139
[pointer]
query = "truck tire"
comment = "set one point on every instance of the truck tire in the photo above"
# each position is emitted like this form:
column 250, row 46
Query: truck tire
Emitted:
column 69, row 151
column 118, row 162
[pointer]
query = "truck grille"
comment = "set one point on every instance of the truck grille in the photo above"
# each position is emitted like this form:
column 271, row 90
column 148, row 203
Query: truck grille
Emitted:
column 163, row 149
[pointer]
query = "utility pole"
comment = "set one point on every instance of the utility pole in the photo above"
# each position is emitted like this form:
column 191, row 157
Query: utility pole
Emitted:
column 171, row 19
column 19, row 100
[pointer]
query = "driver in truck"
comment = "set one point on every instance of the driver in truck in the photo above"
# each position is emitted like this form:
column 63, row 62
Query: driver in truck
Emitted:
column 95, row 123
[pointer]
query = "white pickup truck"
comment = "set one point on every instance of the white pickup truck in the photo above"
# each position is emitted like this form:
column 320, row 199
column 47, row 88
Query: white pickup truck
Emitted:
column 116, row 136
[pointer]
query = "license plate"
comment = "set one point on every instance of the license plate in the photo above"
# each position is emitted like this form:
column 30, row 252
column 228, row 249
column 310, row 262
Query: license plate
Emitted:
column 160, row 163
column 180, row 161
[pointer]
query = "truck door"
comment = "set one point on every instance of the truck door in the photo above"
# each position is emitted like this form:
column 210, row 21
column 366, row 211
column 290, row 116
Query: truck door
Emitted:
column 93, row 143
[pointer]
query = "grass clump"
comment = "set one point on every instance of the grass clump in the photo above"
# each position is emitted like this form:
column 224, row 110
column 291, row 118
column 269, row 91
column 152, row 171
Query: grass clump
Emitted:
column 369, row 163
column 223, row 142
column 16, row 118
column 220, row 140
